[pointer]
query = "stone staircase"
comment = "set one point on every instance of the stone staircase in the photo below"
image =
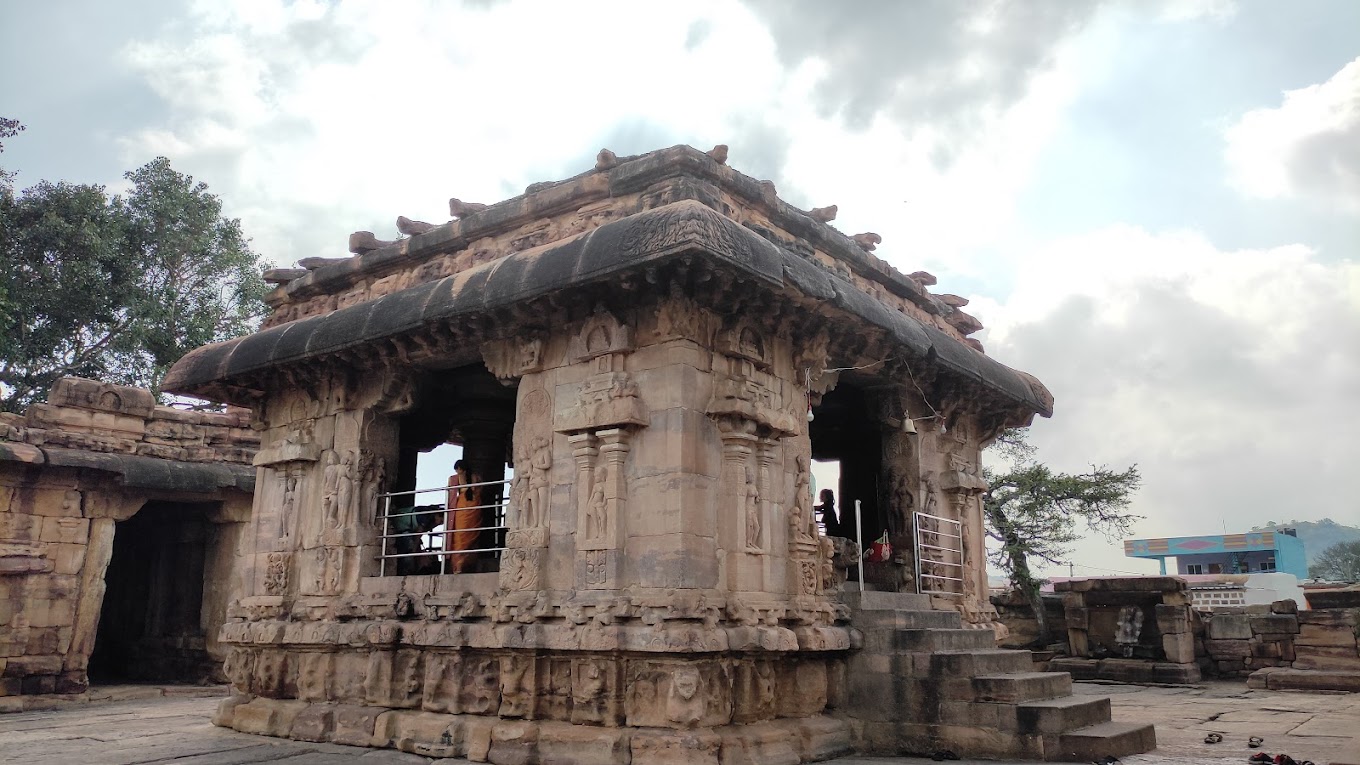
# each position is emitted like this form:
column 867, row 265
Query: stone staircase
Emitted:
column 923, row 684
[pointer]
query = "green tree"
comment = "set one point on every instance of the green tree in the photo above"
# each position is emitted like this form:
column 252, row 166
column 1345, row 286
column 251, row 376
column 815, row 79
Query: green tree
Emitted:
column 117, row 288
column 1035, row 513
column 1338, row 563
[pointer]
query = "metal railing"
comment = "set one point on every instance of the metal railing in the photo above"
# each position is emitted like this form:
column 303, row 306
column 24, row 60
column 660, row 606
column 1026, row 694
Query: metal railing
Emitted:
column 431, row 540
column 941, row 543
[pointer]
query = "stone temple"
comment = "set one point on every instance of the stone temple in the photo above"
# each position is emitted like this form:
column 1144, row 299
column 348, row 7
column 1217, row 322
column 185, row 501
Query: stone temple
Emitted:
column 639, row 364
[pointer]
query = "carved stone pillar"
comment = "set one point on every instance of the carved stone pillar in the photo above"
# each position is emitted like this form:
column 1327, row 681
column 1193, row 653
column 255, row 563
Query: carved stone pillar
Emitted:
column 743, row 566
column 584, row 451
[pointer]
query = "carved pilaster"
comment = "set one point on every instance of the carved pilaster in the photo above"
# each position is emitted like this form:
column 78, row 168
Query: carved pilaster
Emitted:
column 737, row 491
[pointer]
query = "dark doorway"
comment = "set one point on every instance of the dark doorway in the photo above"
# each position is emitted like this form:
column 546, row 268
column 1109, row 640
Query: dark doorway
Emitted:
column 150, row 626
column 843, row 430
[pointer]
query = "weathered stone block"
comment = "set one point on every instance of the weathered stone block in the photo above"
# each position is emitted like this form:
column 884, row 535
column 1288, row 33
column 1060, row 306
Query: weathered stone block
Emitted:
column 563, row 742
column 1224, row 649
column 1284, row 607
column 1333, row 635
column 267, row 717
column 226, row 710
column 1179, row 647
column 1334, row 617
column 1172, row 619
column 1280, row 623
column 758, row 744
column 1228, row 627
column 675, row 748
column 315, row 723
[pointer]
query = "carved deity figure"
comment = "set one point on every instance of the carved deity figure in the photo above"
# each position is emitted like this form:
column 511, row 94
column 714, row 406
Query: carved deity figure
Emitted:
column 596, row 513
column 331, row 471
column 685, row 705
column 540, row 462
column 344, row 498
column 519, row 499
column 588, row 692
column 374, row 478
column 290, row 484
column 752, row 511
column 802, row 520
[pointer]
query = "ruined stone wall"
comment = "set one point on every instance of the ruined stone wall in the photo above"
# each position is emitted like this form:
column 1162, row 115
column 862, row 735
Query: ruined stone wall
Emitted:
column 1237, row 641
column 65, row 472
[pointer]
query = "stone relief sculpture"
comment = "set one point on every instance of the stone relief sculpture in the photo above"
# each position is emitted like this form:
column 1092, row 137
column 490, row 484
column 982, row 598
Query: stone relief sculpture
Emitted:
column 331, row 474
column 685, row 705
column 276, row 573
column 596, row 512
column 288, row 516
column 802, row 521
column 540, row 462
column 752, row 508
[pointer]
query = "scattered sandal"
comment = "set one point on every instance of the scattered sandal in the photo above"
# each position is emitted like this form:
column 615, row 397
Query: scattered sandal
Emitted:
column 1284, row 759
column 1261, row 757
column 1213, row 738
column 943, row 754
column 1255, row 742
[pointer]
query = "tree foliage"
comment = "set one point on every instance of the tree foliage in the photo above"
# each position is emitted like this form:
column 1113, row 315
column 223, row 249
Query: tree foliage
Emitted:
column 1338, row 563
column 1034, row 513
column 117, row 288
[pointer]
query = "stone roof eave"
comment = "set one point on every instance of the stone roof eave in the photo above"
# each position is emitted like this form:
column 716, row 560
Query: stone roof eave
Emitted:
column 685, row 228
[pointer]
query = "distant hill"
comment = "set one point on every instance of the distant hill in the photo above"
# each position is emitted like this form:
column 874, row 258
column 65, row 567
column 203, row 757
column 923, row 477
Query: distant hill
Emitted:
column 1316, row 535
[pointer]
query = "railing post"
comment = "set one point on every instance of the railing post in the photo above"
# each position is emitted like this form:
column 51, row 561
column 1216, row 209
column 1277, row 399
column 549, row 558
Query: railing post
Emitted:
column 859, row 540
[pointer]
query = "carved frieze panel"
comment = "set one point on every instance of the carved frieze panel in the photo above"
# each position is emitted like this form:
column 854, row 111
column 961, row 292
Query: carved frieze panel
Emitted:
column 511, row 358
column 606, row 400
column 601, row 338
column 678, row 695
column 747, row 341
column 276, row 573
column 596, row 691
column 481, row 687
column 753, row 691
column 519, row 685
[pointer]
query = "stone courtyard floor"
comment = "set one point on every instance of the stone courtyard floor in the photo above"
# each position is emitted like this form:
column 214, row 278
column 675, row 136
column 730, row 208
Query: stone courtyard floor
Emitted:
column 143, row 724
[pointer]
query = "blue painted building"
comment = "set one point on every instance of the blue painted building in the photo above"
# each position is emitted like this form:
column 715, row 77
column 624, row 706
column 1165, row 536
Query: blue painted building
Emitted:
column 1251, row 553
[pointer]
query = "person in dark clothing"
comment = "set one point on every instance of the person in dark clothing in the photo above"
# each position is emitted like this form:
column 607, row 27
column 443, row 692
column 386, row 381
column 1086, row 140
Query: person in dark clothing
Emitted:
column 826, row 513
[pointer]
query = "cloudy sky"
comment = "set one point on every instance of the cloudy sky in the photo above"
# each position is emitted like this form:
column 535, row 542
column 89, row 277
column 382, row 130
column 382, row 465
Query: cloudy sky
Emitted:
column 1154, row 206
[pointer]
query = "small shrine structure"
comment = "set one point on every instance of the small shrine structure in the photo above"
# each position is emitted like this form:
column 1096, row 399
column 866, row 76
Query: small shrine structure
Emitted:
column 658, row 349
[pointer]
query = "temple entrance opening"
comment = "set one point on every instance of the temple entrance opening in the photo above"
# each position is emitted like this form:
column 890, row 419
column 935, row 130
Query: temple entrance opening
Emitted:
column 151, row 626
column 842, row 430
column 458, row 435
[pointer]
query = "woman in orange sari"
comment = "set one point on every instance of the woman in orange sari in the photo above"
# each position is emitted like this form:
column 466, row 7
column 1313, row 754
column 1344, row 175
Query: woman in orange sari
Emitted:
column 464, row 516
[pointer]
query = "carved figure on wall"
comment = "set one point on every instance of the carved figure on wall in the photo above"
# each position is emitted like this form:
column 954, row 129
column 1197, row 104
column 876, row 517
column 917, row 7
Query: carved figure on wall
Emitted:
column 596, row 513
column 374, row 478
column 276, row 573
column 539, row 463
column 519, row 498
column 685, row 705
column 931, row 505
column 344, row 498
column 802, row 520
column 752, row 502
column 289, row 513
column 331, row 471
column 588, row 692
column 678, row 316
column 516, row 695
column 826, row 551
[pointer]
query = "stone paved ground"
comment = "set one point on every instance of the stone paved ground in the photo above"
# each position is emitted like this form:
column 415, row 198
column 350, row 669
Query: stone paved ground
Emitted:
column 174, row 728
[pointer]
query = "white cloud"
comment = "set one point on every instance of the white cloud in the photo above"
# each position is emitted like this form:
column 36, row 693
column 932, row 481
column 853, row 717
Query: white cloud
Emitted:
column 1310, row 144
column 1229, row 377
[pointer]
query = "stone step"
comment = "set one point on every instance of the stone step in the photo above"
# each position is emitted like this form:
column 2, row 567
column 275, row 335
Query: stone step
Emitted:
column 971, row 663
column 925, row 619
column 1062, row 714
column 870, row 600
column 921, row 640
column 1021, row 686
column 1096, row 742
